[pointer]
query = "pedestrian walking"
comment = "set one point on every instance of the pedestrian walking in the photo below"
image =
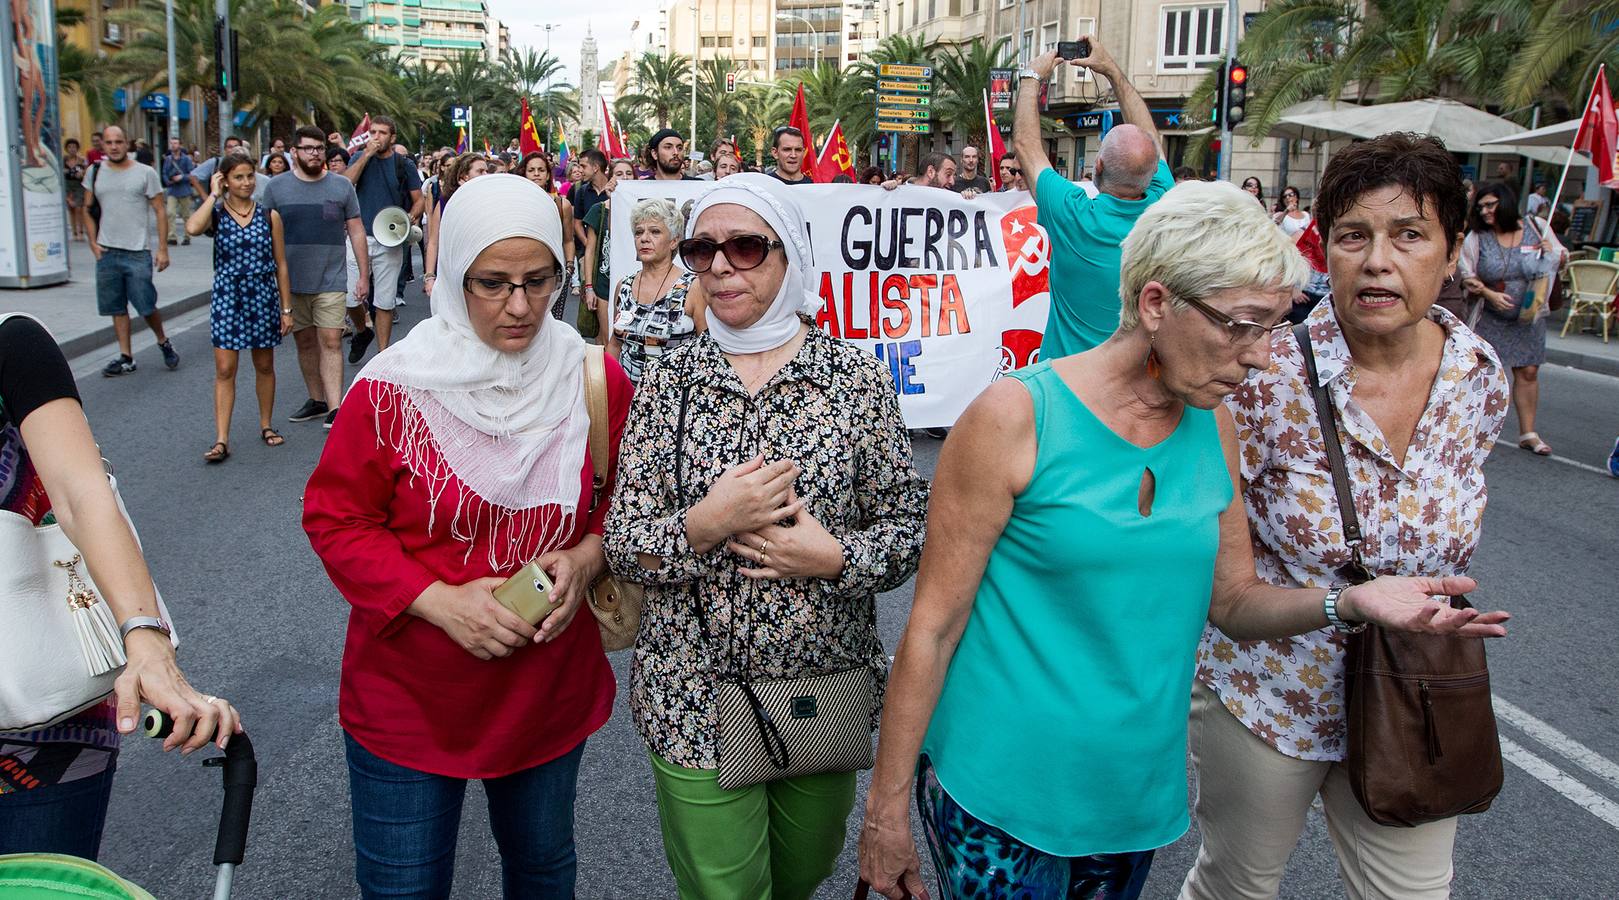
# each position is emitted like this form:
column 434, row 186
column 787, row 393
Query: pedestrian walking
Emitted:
column 73, row 169
column 1502, row 259
column 276, row 165
column 1085, row 232
column 202, row 175
column 381, row 179
column 762, row 420
column 126, row 252
column 461, row 170
column 1085, row 524
column 665, row 157
column 1414, row 391
column 1255, row 187
column 182, row 200
column 788, row 149
column 320, row 219
column 589, row 189
column 1538, row 205
column 1290, row 216
column 55, row 782
column 460, row 456
column 1012, row 173
column 252, row 298
column 659, row 307
column 536, row 167
column 595, row 316
column 969, row 178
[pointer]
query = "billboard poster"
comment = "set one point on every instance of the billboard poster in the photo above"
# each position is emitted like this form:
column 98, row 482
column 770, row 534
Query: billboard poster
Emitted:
column 949, row 294
column 33, row 208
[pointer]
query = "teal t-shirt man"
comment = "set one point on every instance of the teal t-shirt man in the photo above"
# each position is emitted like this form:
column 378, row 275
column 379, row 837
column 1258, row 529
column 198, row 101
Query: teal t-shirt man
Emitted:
column 1085, row 234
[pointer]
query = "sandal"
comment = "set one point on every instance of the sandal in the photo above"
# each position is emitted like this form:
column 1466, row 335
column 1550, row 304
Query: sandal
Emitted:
column 1531, row 441
column 218, row 453
column 271, row 437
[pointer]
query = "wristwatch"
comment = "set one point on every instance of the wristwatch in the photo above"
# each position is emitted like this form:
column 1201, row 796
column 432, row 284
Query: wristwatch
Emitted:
column 134, row 623
column 1329, row 605
column 1027, row 72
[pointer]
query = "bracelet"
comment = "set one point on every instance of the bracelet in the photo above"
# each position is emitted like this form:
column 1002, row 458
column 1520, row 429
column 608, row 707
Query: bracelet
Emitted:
column 1329, row 605
column 286, row 312
column 134, row 623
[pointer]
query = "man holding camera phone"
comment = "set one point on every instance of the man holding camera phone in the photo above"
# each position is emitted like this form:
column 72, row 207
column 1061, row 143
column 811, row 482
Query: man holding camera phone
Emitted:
column 1085, row 233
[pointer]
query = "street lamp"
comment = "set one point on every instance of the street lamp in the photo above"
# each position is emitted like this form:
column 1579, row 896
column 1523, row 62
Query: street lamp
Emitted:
column 815, row 35
column 550, row 117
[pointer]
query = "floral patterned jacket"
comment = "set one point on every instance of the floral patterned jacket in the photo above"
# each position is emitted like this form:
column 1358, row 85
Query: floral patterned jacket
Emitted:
column 832, row 409
column 1420, row 518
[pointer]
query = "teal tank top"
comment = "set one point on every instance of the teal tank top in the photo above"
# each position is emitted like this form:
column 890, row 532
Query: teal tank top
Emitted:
column 1062, row 719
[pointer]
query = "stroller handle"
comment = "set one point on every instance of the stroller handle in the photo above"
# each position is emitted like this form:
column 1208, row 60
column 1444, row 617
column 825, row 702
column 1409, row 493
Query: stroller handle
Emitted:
column 241, row 778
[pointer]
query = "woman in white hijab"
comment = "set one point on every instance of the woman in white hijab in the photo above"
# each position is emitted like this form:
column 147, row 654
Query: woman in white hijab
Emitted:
column 460, row 454
column 767, row 494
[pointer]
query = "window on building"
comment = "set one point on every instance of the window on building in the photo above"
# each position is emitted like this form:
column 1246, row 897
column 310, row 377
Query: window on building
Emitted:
column 915, row 9
column 1191, row 37
column 1006, row 4
column 1048, row 37
column 933, row 10
column 1027, row 46
column 708, row 41
column 759, row 40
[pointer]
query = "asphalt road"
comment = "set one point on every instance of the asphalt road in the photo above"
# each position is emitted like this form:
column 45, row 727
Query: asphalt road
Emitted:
column 261, row 624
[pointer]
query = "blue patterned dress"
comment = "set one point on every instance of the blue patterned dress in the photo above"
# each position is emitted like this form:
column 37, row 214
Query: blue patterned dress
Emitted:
column 246, row 311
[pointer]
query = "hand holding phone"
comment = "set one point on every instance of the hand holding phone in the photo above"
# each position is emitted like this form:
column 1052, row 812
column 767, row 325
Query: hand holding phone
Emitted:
column 528, row 593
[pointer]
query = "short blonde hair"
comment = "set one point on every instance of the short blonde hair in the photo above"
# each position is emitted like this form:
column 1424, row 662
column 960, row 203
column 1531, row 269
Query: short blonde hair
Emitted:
column 1201, row 238
column 663, row 211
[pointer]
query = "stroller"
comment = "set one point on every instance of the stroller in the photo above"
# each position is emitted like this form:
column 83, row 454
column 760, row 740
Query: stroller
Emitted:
column 51, row 876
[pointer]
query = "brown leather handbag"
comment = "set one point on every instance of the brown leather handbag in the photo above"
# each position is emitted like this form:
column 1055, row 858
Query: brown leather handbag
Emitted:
column 616, row 604
column 1422, row 740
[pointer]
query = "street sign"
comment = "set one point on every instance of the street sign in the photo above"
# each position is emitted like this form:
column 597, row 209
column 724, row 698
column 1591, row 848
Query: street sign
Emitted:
column 906, row 127
column 906, row 100
column 886, row 113
column 886, row 70
column 461, row 116
column 910, row 87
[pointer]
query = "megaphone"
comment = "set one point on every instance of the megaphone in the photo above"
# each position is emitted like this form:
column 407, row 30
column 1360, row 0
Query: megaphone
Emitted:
column 391, row 227
column 415, row 234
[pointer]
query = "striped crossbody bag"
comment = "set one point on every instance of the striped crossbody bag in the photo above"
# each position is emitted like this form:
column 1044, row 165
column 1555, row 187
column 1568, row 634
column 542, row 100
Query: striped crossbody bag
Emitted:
column 769, row 729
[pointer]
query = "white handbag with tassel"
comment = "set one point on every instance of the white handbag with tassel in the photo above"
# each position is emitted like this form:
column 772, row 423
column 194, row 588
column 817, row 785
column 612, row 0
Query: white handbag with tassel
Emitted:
column 60, row 650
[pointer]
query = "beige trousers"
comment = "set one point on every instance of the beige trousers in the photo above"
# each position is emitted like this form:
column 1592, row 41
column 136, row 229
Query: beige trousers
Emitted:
column 1251, row 806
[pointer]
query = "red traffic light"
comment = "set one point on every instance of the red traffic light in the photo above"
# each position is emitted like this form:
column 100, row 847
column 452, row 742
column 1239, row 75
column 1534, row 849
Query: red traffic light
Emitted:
column 1237, row 75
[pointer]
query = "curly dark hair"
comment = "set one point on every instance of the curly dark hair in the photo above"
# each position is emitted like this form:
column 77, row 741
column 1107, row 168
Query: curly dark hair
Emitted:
column 1417, row 164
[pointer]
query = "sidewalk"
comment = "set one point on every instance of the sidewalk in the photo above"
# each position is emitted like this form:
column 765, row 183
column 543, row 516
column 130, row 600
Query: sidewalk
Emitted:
column 69, row 309
column 1582, row 351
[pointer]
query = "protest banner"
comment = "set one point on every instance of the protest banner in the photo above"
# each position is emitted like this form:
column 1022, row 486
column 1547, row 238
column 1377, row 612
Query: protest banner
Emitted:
column 951, row 294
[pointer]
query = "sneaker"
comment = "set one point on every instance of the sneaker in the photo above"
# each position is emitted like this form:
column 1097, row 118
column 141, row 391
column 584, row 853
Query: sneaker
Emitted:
column 330, row 418
column 1613, row 459
column 173, row 242
column 186, row 242
column 312, row 409
column 937, row 434
column 357, row 345
column 170, row 358
column 399, row 301
column 120, row 365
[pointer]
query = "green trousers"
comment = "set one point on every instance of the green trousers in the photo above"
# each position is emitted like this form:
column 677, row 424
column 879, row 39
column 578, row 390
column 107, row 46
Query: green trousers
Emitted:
column 774, row 841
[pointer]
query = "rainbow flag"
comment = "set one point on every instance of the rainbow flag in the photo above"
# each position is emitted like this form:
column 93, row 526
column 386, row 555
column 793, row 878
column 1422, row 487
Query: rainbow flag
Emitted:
column 460, row 140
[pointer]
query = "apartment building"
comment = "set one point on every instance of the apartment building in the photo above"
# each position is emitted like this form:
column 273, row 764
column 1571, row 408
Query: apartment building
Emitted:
column 431, row 31
column 768, row 37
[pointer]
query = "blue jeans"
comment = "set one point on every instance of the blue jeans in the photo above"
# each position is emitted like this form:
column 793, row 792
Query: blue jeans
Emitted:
column 62, row 818
column 405, row 825
column 124, row 279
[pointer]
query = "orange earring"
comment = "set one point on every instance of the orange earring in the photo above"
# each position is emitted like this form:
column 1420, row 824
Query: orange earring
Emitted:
column 1154, row 370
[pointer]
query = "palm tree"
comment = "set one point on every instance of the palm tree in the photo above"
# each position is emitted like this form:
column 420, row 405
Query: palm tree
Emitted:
column 662, row 87
column 896, row 49
column 712, row 97
column 963, row 73
column 764, row 106
column 78, row 70
column 837, row 95
column 1563, row 44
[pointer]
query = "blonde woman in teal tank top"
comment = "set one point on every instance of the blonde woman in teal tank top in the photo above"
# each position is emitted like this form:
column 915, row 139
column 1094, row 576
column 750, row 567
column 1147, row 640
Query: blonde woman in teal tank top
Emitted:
column 1084, row 524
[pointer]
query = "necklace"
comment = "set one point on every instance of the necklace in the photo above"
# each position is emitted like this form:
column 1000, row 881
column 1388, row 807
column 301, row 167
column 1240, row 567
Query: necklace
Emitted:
column 238, row 214
column 662, row 286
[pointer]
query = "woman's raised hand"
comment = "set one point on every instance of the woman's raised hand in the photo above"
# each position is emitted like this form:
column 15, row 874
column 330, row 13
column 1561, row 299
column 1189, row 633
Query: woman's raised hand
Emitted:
column 801, row 549
column 746, row 497
column 1408, row 604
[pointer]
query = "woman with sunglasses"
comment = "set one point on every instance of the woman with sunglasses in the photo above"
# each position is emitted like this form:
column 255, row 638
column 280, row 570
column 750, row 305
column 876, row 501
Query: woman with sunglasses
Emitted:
column 460, row 455
column 1085, row 511
column 767, row 494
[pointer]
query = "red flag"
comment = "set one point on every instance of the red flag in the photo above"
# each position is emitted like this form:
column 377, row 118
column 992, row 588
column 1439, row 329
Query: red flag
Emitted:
column 361, row 135
column 996, row 148
column 1599, row 129
column 614, row 142
column 800, row 120
column 835, row 159
column 1309, row 244
column 528, row 137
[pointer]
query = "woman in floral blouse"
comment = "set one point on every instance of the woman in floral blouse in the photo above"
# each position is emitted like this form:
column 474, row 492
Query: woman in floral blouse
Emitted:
column 777, row 424
column 660, row 307
column 1420, row 400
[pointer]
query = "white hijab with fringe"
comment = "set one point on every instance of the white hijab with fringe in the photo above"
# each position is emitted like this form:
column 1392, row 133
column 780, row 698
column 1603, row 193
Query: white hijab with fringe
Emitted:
column 511, row 427
column 774, row 203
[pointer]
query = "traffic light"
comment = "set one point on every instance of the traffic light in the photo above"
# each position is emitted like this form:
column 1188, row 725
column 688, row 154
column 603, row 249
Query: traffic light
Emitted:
column 1234, row 91
column 730, row 82
column 225, row 75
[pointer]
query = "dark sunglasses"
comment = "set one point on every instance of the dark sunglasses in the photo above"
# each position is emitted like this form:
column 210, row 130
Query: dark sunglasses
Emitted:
column 744, row 251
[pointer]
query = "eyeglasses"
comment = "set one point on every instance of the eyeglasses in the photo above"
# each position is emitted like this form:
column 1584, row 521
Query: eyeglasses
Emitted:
column 1488, row 205
column 744, row 251
column 1014, row 172
column 495, row 290
column 310, row 148
column 1238, row 331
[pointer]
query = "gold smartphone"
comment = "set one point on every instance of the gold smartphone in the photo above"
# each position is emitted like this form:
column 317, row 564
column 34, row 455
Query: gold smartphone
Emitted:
column 528, row 593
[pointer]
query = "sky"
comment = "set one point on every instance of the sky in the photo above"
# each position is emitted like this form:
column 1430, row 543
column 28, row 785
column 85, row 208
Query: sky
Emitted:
column 609, row 21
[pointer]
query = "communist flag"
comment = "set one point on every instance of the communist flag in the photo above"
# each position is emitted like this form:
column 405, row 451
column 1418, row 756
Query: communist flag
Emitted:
column 800, row 120
column 996, row 148
column 835, row 159
column 1599, row 129
column 528, row 137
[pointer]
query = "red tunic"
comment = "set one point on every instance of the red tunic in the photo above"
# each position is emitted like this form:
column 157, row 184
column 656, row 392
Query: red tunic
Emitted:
column 409, row 694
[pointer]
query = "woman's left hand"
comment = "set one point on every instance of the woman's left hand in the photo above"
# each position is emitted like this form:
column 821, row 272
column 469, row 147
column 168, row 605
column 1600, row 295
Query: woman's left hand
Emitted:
column 1408, row 604
column 572, row 573
column 805, row 549
column 286, row 324
column 152, row 675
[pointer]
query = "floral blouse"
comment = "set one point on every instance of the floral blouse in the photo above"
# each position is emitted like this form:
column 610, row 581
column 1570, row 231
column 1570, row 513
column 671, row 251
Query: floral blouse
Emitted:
column 646, row 331
column 1420, row 518
column 833, row 410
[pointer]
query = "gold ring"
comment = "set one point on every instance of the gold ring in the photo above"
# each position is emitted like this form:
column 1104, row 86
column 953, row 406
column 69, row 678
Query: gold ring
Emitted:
column 764, row 558
column 764, row 547
column 209, row 698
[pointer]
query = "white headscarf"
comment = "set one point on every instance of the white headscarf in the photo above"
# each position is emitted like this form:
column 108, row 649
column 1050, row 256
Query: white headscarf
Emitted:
column 773, row 201
column 511, row 427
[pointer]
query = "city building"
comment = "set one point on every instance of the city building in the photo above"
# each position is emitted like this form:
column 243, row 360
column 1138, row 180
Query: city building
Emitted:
column 144, row 116
column 431, row 32
column 590, row 113
column 767, row 37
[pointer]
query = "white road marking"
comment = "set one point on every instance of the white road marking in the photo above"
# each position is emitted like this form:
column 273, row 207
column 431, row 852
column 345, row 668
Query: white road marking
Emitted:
column 1573, row 750
column 1561, row 782
column 91, row 361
